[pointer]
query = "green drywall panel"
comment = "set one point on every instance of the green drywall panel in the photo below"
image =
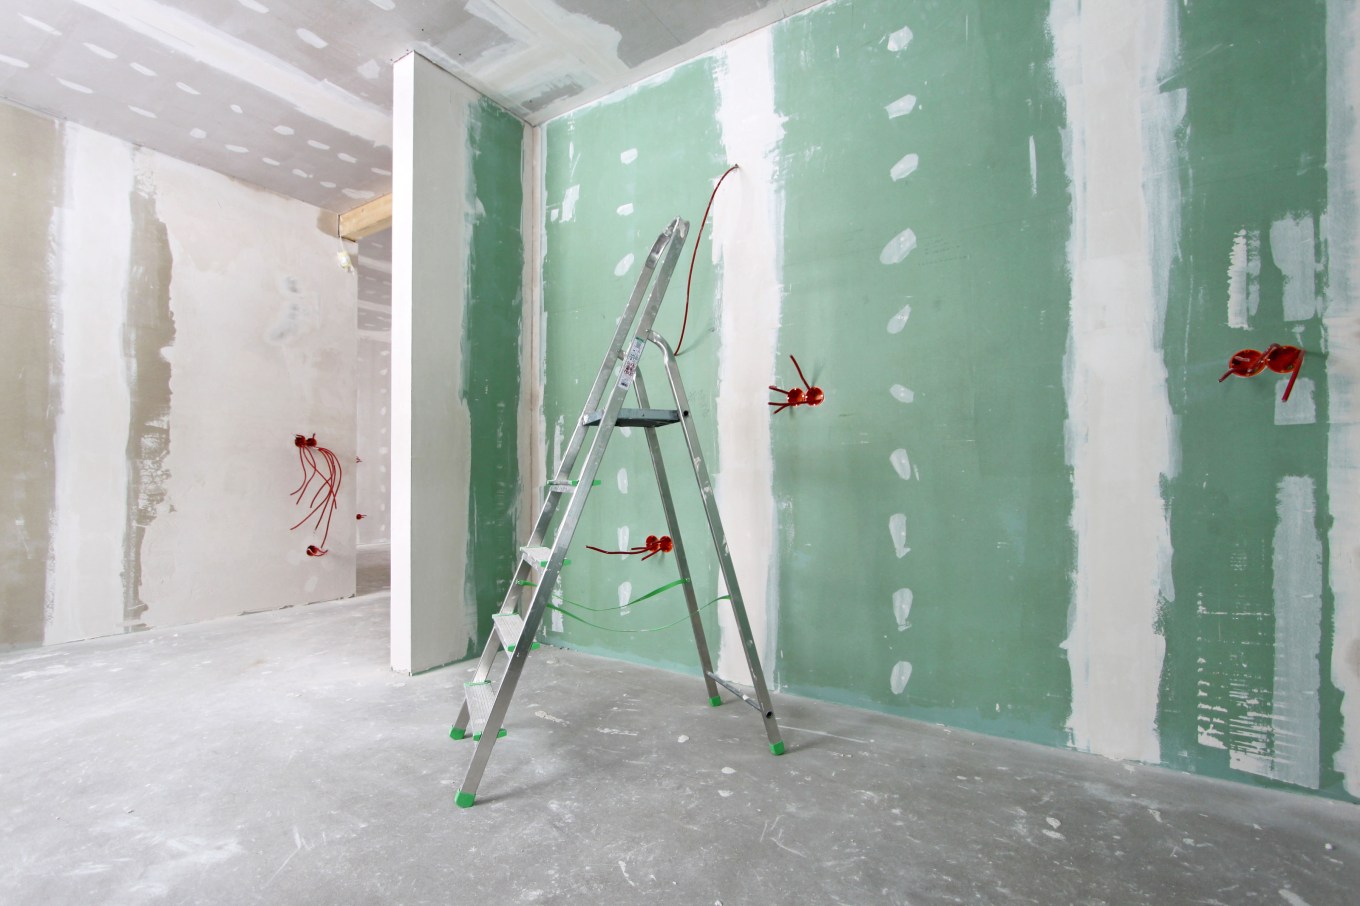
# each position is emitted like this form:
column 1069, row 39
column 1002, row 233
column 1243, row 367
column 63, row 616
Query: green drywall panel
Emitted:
column 1252, row 155
column 987, row 496
column 655, row 148
column 989, row 296
column 988, row 499
column 491, row 358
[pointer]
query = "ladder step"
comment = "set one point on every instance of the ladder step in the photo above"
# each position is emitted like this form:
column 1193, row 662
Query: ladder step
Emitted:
column 539, row 556
column 561, row 487
column 509, row 627
column 637, row 418
column 480, row 697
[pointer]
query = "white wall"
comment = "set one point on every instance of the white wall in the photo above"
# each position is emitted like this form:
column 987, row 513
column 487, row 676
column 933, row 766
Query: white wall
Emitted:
column 196, row 325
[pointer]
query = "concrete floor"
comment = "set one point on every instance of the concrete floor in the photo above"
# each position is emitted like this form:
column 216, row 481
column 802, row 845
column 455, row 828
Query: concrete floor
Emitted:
column 274, row 758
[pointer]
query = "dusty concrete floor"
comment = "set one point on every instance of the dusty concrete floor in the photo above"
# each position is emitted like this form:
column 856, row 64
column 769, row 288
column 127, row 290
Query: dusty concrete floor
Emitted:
column 274, row 758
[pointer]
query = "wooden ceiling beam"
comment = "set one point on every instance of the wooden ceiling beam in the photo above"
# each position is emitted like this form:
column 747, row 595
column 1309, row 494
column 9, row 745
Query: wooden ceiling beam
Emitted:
column 368, row 218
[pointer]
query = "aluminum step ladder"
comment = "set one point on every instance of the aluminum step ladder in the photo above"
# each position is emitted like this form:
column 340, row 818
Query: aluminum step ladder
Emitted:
column 487, row 698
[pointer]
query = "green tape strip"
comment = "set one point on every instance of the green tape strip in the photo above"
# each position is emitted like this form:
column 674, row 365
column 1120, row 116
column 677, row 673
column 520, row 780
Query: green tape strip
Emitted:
column 651, row 594
column 638, row 600
column 683, row 619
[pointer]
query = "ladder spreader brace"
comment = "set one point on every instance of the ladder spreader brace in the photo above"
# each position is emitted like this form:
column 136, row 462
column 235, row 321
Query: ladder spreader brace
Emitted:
column 486, row 700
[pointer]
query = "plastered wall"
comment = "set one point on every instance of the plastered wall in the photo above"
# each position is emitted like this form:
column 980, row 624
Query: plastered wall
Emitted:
column 1016, row 244
column 166, row 331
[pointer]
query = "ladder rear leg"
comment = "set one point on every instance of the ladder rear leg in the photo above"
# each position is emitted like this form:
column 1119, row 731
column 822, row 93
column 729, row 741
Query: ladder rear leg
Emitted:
column 673, row 526
column 705, row 481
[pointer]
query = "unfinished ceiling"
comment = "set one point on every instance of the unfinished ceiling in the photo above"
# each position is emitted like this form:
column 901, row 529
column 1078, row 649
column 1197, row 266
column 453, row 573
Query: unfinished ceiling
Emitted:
column 296, row 95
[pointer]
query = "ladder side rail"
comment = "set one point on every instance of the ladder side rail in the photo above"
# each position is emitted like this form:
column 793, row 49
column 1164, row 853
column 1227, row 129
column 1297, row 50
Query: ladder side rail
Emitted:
column 664, row 242
column 675, row 233
column 719, row 537
column 542, row 594
column 673, row 526
column 492, row 646
column 563, row 470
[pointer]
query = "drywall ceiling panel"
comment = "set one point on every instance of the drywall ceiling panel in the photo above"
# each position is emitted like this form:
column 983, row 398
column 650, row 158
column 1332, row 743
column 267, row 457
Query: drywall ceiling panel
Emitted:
column 685, row 26
column 155, row 77
column 642, row 35
column 295, row 95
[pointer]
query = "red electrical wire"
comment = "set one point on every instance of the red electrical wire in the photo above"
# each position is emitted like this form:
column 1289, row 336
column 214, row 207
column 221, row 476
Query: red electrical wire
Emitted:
column 692, row 258
column 654, row 546
column 327, row 489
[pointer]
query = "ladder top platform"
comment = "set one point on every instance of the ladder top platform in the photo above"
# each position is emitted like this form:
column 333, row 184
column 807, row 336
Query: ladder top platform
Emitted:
column 637, row 418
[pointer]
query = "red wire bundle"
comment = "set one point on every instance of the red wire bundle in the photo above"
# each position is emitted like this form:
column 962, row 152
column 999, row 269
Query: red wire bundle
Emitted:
column 327, row 490
column 813, row 396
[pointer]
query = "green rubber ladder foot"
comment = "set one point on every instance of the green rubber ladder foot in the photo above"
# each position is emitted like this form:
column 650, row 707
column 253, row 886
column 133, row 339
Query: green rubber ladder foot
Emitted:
column 457, row 733
column 715, row 701
column 777, row 748
column 500, row 734
column 465, row 800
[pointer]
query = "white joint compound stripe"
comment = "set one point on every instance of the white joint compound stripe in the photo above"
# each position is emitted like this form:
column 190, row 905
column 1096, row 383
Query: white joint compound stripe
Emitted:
column 195, row 39
column 1300, row 408
column 1297, row 562
column 1293, row 246
column 1244, row 278
column 1342, row 323
column 92, row 427
column 748, row 240
column 1119, row 416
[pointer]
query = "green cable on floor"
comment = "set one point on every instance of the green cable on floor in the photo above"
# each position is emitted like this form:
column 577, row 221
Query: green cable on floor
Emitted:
column 651, row 594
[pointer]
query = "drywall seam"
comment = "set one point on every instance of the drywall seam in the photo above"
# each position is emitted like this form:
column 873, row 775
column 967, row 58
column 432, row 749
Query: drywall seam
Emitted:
column 29, row 235
column 540, row 313
column 532, row 442
column 747, row 240
column 1292, row 246
column 1119, row 416
column 148, row 337
column 92, row 427
column 184, row 34
column 542, row 29
column 1342, row 324
column 1244, row 278
column 663, row 64
column 1297, row 565
column 550, row 49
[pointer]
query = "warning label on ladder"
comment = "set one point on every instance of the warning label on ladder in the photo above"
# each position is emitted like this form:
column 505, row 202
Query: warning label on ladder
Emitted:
column 630, row 364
